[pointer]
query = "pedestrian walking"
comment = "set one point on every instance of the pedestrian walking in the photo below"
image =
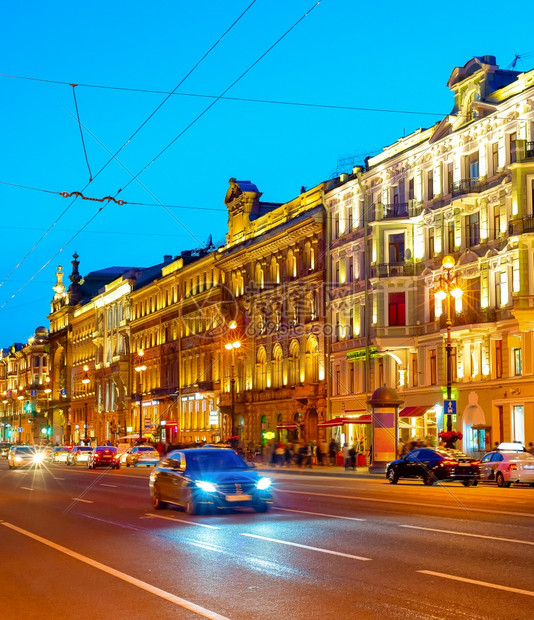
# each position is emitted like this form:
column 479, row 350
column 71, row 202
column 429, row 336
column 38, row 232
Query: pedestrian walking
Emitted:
column 332, row 451
column 346, row 455
column 279, row 452
column 352, row 455
column 288, row 454
column 319, row 454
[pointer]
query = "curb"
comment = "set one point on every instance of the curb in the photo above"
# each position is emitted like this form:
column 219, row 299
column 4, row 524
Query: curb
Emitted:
column 361, row 472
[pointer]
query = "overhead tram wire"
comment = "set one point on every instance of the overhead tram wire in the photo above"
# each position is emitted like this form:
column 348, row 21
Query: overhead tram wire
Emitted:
column 81, row 132
column 161, row 152
column 36, row 244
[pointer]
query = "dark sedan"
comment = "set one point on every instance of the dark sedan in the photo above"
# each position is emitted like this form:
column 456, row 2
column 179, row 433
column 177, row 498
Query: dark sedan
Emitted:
column 107, row 456
column 207, row 479
column 435, row 465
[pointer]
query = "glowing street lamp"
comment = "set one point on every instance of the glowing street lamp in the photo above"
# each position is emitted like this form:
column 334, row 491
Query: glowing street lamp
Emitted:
column 140, row 366
column 85, row 381
column 232, row 346
column 448, row 288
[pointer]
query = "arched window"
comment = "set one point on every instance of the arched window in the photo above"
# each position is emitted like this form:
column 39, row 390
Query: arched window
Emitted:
column 261, row 369
column 312, row 360
column 259, row 276
column 294, row 362
column 277, row 366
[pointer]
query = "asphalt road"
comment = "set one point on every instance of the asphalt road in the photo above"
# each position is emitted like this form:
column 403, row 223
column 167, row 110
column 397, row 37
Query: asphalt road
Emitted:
column 77, row 543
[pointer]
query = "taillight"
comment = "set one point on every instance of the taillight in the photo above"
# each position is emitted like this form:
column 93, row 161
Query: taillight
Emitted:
column 475, row 462
column 449, row 462
column 512, row 466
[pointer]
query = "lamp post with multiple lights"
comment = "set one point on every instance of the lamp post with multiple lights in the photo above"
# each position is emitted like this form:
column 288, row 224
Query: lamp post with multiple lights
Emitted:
column 139, row 368
column 232, row 345
column 85, row 381
column 48, row 392
column 448, row 287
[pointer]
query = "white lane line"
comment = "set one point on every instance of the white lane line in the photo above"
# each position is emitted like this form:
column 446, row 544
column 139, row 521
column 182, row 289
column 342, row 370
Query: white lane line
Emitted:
column 495, row 586
column 319, row 514
column 211, row 527
column 113, row 486
column 58, row 478
column 292, row 544
column 430, row 529
column 408, row 503
column 143, row 585
column 27, row 488
column 79, row 499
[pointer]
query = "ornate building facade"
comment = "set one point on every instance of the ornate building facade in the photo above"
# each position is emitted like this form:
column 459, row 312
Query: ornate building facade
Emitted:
column 464, row 187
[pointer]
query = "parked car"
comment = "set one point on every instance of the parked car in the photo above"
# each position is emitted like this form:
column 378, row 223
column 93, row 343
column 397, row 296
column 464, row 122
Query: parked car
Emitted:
column 142, row 455
column 435, row 465
column 506, row 467
column 79, row 454
column 24, row 456
column 59, row 454
column 104, row 455
column 4, row 448
column 206, row 479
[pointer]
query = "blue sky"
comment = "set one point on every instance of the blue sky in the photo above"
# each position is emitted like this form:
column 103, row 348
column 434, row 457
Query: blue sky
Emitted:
column 380, row 55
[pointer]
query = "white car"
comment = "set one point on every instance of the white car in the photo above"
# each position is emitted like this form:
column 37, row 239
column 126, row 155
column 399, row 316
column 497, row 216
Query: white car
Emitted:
column 506, row 467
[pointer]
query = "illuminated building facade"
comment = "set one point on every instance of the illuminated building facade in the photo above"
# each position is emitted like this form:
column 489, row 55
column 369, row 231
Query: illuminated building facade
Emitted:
column 273, row 385
column 464, row 187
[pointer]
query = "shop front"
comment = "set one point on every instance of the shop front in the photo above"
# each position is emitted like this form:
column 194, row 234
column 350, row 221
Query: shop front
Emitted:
column 354, row 430
column 419, row 423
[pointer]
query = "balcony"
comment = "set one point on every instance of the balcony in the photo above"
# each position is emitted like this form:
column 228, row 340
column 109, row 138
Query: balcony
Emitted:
column 389, row 270
column 392, row 211
column 524, row 225
column 529, row 150
column 467, row 186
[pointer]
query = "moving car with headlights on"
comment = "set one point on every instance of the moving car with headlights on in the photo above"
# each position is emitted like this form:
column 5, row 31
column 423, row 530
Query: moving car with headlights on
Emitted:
column 510, row 463
column 60, row 453
column 107, row 456
column 435, row 465
column 5, row 446
column 207, row 479
column 24, row 456
column 142, row 455
column 79, row 454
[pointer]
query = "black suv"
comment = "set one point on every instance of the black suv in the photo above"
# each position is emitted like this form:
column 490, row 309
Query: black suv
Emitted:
column 435, row 465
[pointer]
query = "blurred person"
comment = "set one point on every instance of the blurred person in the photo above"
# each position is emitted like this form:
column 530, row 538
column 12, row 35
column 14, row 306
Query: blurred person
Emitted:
column 346, row 455
column 332, row 451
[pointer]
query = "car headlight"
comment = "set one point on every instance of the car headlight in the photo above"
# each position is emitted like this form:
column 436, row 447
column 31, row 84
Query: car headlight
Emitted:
column 206, row 486
column 38, row 458
column 18, row 459
column 263, row 483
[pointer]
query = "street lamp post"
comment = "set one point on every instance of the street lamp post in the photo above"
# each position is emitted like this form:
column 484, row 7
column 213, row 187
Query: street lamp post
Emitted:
column 140, row 366
column 85, row 381
column 48, row 391
column 232, row 346
column 20, row 398
column 448, row 288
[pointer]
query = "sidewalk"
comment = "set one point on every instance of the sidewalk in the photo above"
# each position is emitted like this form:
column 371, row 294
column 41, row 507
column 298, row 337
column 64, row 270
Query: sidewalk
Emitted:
column 321, row 470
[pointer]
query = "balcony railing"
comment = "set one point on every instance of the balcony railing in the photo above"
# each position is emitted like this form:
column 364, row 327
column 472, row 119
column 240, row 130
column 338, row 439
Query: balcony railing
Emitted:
column 529, row 150
column 524, row 225
column 388, row 270
column 466, row 186
column 397, row 209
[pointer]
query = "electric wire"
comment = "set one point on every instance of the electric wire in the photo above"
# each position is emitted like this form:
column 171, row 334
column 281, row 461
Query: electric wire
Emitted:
column 113, row 157
column 81, row 131
column 159, row 154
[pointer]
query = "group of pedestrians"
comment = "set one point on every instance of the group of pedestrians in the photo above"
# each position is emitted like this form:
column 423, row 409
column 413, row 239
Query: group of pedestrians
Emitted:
column 307, row 454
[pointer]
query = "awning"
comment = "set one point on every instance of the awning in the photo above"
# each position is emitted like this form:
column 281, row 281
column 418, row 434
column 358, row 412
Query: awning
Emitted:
column 363, row 419
column 415, row 412
column 289, row 427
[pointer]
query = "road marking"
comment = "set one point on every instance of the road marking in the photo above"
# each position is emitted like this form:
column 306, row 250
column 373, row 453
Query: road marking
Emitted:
column 319, row 514
column 79, row 499
column 143, row 585
column 27, row 488
column 430, row 529
column 408, row 503
column 211, row 527
column 58, row 478
column 477, row 583
column 292, row 544
column 113, row 486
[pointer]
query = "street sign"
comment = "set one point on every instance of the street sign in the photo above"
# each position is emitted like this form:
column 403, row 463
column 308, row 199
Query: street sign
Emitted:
column 33, row 392
column 20, row 429
column 148, row 423
column 449, row 407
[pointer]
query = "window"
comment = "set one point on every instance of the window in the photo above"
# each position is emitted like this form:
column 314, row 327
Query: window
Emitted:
column 312, row 360
column 351, row 378
column 397, row 309
column 294, row 363
column 473, row 229
column 337, row 388
column 351, row 269
column 517, row 359
column 519, row 424
column 277, row 366
column 433, row 368
column 349, row 220
column 411, row 189
column 396, row 248
column 415, row 372
column 494, row 158
column 431, row 243
column 261, row 369
column 336, row 226
column 473, row 167
column 450, row 178
column 498, row 359
column 430, row 184
column 336, row 280
column 450, row 236
column 496, row 221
